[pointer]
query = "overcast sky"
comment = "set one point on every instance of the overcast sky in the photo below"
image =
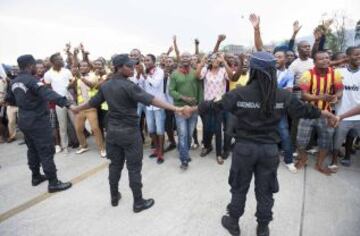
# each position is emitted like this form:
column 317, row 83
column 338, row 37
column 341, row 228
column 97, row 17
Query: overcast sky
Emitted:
column 106, row 27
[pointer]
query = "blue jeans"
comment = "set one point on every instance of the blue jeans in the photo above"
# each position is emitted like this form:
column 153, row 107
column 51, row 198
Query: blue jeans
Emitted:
column 286, row 144
column 185, row 129
column 140, row 109
column 155, row 120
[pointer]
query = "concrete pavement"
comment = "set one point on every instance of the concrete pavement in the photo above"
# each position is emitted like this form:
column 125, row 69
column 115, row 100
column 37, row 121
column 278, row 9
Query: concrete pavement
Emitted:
column 186, row 203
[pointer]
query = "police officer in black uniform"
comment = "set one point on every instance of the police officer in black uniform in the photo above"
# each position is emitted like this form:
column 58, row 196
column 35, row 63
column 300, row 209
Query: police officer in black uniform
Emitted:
column 258, row 108
column 32, row 97
column 123, row 139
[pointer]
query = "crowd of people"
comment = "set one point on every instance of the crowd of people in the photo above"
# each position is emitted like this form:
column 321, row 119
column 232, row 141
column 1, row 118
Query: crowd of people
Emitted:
column 328, row 80
column 211, row 75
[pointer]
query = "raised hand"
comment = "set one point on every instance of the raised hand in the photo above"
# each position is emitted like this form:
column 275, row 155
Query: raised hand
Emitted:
column 174, row 38
column 296, row 27
column 221, row 37
column 67, row 47
column 197, row 42
column 255, row 20
column 76, row 51
column 204, row 60
column 317, row 34
column 171, row 48
column 328, row 23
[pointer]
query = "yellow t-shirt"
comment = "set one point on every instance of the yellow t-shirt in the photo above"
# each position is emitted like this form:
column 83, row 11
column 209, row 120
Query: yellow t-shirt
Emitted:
column 242, row 81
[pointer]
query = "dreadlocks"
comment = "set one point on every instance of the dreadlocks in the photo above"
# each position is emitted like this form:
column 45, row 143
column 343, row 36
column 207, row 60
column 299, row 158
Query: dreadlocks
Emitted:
column 267, row 87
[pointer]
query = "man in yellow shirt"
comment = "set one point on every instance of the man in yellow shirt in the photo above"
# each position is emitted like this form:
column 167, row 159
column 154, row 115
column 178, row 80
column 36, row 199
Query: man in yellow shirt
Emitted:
column 85, row 90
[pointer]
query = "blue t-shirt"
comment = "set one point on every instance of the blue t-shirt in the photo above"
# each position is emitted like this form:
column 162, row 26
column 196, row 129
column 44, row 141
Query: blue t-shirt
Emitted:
column 285, row 79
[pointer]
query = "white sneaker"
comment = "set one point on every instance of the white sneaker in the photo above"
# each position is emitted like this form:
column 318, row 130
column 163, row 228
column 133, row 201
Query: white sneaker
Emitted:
column 295, row 154
column 82, row 150
column 57, row 149
column 291, row 167
column 333, row 167
column 66, row 150
column 102, row 153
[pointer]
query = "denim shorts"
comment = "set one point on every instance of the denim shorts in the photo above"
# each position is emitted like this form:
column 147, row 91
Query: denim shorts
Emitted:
column 155, row 120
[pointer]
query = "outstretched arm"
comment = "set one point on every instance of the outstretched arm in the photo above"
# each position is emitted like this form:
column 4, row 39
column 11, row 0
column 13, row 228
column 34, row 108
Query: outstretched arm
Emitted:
column 177, row 52
column 296, row 29
column 255, row 21
column 220, row 39
column 197, row 42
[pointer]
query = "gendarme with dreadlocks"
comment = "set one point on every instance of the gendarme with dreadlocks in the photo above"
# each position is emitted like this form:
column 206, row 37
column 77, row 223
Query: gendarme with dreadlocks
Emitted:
column 258, row 108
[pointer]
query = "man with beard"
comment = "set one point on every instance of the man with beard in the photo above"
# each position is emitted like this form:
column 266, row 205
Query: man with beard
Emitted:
column 185, row 89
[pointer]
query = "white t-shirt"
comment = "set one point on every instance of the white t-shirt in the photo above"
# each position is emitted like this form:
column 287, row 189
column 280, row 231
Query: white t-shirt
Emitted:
column 139, row 82
column 351, row 92
column 59, row 80
column 298, row 67
column 154, row 84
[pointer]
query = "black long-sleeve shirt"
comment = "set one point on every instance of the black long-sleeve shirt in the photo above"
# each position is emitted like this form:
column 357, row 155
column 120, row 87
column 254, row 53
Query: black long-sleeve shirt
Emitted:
column 122, row 97
column 32, row 97
column 252, row 124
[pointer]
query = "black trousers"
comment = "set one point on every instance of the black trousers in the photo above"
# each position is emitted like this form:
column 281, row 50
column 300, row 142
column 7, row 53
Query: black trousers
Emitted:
column 121, row 146
column 41, row 151
column 262, row 161
column 229, row 130
column 212, row 126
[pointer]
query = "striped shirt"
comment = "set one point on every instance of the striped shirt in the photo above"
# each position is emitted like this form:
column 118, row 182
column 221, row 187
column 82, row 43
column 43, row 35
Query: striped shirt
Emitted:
column 313, row 83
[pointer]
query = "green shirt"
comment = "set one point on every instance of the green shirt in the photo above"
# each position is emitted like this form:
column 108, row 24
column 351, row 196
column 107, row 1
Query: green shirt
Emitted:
column 185, row 85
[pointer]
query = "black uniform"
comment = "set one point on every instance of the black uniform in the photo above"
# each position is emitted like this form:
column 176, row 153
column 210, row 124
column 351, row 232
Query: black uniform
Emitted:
column 32, row 97
column 123, row 139
column 256, row 149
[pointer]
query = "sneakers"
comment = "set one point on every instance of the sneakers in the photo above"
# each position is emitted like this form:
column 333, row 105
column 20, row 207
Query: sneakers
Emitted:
column 220, row 160
column 57, row 149
column 205, row 151
column 345, row 162
column 225, row 155
column 169, row 148
column 334, row 168
column 194, row 146
column 153, row 155
column 160, row 160
column 102, row 153
column 184, row 165
column 291, row 167
column 82, row 150
column 231, row 224
column 66, row 150
column 143, row 205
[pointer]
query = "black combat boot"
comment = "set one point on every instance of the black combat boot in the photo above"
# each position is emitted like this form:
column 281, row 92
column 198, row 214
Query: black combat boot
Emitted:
column 143, row 204
column 56, row 186
column 262, row 229
column 115, row 198
column 231, row 224
column 37, row 179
